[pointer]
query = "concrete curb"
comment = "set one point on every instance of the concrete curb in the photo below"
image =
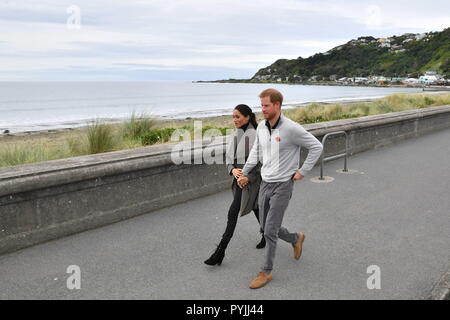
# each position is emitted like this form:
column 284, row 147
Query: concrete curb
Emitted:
column 441, row 290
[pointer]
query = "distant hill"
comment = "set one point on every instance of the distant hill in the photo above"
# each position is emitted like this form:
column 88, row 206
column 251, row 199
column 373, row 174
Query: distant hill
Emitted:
column 409, row 55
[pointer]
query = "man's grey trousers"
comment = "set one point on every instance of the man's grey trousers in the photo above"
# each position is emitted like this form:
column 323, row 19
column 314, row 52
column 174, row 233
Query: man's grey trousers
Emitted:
column 273, row 201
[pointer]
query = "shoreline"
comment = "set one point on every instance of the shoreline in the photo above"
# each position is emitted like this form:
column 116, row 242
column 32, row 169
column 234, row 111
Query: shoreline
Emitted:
column 333, row 83
column 54, row 135
column 167, row 119
column 162, row 122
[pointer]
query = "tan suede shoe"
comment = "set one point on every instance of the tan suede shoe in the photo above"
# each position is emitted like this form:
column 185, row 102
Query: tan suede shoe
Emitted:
column 261, row 280
column 298, row 245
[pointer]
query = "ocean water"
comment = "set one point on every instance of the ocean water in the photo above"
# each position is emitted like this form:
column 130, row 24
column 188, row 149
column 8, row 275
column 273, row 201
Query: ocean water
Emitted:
column 33, row 106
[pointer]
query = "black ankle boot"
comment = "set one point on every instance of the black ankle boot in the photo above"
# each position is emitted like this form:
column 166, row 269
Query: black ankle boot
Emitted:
column 217, row 256
column 262, row 243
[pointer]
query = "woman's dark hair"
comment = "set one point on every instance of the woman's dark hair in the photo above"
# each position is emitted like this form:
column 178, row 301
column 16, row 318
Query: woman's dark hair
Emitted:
column 246, row 111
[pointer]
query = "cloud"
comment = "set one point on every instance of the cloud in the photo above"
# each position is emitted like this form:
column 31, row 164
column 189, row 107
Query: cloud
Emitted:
column 374, row 17
column 191, row 35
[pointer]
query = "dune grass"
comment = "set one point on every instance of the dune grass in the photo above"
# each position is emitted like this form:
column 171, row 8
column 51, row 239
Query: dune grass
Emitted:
column 142, row 130
column 96, row 137
column 138, row 126
column 29, row 152
column 318, row 112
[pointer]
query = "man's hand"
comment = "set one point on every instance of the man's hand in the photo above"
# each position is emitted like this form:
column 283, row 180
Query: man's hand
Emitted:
column 236, row 173
column 297, row 176
column 242, row 181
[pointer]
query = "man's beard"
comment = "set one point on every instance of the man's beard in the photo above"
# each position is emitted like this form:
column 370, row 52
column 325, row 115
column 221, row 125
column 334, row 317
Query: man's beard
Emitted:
column 270, row 116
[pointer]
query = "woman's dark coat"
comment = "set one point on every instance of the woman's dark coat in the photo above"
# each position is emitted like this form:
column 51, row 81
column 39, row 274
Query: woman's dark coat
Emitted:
column 238, row 150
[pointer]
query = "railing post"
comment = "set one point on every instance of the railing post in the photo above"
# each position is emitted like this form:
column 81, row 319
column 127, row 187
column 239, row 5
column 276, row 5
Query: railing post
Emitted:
column 322, row 156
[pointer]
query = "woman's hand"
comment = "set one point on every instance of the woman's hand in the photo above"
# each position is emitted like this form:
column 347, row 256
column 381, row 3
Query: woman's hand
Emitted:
column 243, row 181
column 237, row 173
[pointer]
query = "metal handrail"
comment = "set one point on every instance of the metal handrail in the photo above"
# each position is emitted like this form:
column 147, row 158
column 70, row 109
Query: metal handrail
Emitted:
column 322, row 159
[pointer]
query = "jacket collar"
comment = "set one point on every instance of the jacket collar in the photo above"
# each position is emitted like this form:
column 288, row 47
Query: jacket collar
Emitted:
column 278, row 123
column 245, row 126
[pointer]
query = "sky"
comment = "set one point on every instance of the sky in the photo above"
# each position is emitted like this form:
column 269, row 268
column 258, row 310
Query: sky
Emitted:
column 118, row 40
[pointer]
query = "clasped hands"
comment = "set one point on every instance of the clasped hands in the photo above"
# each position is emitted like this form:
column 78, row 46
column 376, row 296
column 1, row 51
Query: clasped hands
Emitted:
column 242, row 180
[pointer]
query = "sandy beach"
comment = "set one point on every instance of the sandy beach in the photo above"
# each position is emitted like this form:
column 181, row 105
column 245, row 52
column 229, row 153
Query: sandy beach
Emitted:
column 59, row 136
column 56, row 136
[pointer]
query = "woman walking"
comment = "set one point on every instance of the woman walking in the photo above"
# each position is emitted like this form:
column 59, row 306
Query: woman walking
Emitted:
column 244, row 199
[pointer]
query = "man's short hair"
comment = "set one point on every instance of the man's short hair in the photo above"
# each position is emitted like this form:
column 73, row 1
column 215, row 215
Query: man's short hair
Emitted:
column 274, row 94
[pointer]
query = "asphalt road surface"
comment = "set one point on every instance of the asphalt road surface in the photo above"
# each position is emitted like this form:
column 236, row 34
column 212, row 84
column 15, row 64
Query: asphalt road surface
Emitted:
column 393, row 212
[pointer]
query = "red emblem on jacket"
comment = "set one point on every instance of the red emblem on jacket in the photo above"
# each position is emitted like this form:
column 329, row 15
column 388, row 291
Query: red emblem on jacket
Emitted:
column 278, row 139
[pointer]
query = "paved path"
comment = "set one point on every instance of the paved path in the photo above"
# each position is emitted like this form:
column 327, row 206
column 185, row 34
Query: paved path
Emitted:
column 393, row 213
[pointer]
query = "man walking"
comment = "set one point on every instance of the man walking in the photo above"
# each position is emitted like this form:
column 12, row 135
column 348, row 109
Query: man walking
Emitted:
column 277, row 146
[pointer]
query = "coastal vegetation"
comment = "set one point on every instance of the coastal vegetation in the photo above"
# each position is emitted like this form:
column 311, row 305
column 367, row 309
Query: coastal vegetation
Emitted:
column 398, row 57
column 143, row 130
column 319, row 112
